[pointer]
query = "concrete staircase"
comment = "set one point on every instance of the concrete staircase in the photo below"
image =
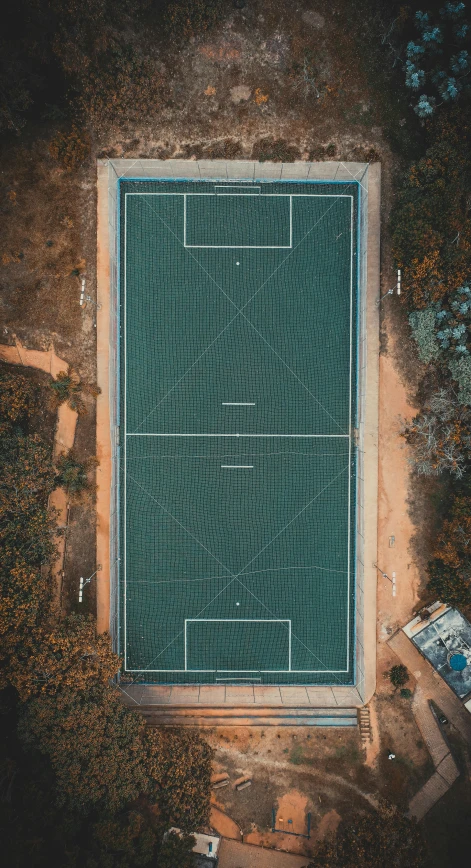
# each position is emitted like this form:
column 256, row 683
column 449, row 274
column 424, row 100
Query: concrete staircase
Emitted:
column 204, row 716
column 364, row 724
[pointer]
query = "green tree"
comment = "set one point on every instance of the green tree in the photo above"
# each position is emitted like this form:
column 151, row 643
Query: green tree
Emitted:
column 385, row 839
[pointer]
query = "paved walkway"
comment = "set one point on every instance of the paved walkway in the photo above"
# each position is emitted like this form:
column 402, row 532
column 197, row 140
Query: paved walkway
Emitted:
column 220, row 695
column 233, row 854
column 446, row 771
column 431, row 686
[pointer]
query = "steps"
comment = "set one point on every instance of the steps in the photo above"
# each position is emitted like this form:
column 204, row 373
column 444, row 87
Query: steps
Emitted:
column 364, row 724
column 205, row 716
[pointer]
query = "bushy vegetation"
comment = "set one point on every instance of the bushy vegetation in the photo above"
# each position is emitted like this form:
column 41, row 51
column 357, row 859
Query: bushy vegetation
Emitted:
column 69, row 388
column 431, row 235
column 438, row 63
column 398, row 675
column 86, row 783
column 386, row 838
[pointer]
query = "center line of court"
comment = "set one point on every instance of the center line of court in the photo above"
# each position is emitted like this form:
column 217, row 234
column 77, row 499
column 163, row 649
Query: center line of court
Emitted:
column 237, row 466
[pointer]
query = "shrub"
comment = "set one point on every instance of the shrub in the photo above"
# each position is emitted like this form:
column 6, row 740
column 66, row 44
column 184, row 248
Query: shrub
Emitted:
column 186, row 19
column 422, row 323
column 406, row 693
column 68, row 387
column 460, row 369
column 398, row 675
column 436, row 59
column 70, row 149
column 18, row 400
column 448, row 584
column 275, row 151
column 74, row 475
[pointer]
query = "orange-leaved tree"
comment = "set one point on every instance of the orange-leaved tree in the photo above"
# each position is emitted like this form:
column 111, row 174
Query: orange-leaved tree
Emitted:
column 450, row 570
column 179, row 766
column 63, row 655
column 94, row 745
column 430, row 224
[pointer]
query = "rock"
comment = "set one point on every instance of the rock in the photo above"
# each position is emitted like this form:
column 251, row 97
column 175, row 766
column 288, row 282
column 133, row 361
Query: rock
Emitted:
column 240, row 93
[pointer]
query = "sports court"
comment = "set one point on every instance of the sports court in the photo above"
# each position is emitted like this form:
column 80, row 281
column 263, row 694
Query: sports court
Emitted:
column 238, row 350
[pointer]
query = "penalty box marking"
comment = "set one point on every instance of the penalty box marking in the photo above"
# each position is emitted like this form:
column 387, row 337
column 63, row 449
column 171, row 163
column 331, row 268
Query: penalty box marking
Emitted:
column 237, row 621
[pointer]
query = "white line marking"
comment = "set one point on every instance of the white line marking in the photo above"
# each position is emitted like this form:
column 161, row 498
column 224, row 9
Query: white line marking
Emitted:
column 282, row 621
column 243, row 435
column 312, row 436
column 233, row 187
column 238, row 404
column 237, row 466
column 238, row 246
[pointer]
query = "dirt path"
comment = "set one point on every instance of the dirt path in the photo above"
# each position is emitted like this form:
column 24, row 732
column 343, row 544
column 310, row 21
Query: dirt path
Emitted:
column 395, row 528
column 64, row 437
column 43, row 360
column 327, row 777
column 223, row 824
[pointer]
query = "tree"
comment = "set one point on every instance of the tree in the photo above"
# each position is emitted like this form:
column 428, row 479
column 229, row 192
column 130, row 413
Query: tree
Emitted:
column 440, row 436
column 67, row 387
column 385, row 839
column 179, row 766
column 430, row 225
column 454, row 542
column 26, row 601
column 94, row 744
column 26, row 525
column 126, row 840
column 176, row 850
column 437, row 59
column 19, row 399
column 450, row 569
column 74, row 475
column 64, row 655
column 448, row 584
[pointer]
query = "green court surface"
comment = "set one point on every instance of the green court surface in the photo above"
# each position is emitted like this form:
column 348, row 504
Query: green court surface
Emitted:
column 238, row 346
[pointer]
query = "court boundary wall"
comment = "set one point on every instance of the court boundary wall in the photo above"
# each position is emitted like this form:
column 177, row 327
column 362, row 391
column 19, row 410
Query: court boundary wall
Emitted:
column 368, row 177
